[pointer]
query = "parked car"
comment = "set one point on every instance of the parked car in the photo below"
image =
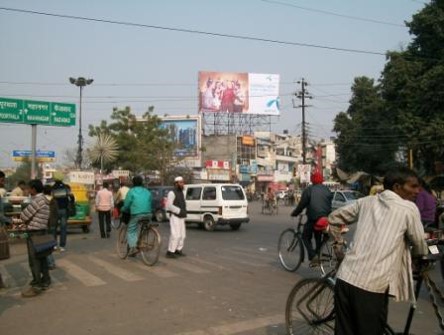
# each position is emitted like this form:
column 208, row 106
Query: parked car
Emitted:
column 344, row 197
column 159, row 196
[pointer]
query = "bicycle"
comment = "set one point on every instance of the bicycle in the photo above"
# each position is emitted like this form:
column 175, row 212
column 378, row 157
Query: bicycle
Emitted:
column 116, row 218
column 149, row 241
column 310, row 304
column 269, row 207
column 291, row 249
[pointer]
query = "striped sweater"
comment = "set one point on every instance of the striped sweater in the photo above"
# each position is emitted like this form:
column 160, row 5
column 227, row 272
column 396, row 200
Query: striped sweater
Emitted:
column 36, row 214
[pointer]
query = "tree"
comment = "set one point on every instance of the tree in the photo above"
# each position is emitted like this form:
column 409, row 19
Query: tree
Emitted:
column 23, row 172
column 143, row 144
column 364, row 141
column 413, row 88
column 104, row 151
column 405, row 110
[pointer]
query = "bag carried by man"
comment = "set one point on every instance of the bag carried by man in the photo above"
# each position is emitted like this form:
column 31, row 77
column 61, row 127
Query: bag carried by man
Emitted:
column 43, row 243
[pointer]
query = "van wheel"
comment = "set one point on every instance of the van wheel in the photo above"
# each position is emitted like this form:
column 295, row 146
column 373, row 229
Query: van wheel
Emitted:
column 235, row 226
column 159, row 216
column 209, row 223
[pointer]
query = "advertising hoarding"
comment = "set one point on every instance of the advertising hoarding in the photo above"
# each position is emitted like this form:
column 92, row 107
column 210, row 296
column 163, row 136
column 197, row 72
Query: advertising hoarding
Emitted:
column 247, row 93
column 185, row 132
column 304, row 172
column 81, row 177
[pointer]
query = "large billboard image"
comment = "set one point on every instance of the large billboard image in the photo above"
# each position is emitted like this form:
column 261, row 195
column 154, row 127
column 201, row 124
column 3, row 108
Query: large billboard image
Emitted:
column 248, row 93
column 184, row 132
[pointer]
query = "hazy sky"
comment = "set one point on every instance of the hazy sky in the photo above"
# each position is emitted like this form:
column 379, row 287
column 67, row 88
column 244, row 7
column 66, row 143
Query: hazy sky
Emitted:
column 140, row 66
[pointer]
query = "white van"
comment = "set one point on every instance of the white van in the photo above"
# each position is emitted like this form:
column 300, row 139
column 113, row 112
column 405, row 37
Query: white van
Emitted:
column 216, row 204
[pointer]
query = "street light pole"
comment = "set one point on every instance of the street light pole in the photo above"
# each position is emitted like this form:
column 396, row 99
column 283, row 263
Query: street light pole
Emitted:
column 80, row 82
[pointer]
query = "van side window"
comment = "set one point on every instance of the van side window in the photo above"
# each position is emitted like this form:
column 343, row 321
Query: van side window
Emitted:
column 209, row 193
column 193, row 193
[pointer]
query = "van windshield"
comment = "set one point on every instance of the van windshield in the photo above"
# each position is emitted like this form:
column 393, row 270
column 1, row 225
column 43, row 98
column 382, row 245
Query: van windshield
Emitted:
column 232, row 193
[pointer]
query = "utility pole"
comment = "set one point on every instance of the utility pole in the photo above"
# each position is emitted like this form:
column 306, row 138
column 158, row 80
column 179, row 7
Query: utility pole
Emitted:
column 303, row 94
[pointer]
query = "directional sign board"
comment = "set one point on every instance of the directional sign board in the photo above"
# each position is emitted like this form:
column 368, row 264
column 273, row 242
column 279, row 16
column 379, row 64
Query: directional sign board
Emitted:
column 37, row 112
column 11, row 110
column 40, row 155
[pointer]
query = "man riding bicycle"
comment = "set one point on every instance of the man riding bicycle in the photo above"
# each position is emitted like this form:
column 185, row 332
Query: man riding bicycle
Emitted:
column 316, row 199
column 137, row 203
column 270, row 198
column 378, row 265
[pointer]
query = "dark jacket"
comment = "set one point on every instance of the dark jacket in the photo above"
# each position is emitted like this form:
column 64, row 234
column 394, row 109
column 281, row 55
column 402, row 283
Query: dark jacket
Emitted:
column 179, row 202
column 61, row 192
column 53, row 214
column 317, row 200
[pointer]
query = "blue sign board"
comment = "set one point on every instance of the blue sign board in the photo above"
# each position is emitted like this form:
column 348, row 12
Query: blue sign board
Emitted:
column 40, row 155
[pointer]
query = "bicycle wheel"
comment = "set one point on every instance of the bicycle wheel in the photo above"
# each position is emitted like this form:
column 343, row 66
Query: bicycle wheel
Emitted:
column 122, row 245
column 327, row 257
column 310, row 308
column 290, row 249
column 149, row 245
column 115, row 223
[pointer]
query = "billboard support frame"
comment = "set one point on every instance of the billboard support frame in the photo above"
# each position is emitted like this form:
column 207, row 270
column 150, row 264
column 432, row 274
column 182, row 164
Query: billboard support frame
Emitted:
column 219, row 123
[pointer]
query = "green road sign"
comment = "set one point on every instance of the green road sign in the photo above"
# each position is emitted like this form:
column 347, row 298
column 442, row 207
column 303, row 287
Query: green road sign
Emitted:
column 11, row 110
column 37, row 112
column 63, row 114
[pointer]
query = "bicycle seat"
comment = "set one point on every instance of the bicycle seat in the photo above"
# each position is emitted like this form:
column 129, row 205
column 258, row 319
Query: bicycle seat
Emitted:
column 144, row 219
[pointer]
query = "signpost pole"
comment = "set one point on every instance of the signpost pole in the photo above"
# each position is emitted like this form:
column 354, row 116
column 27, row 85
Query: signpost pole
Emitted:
column 33, row 148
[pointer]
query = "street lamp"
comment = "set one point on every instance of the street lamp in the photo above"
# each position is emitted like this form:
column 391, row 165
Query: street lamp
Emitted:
column 80, row 82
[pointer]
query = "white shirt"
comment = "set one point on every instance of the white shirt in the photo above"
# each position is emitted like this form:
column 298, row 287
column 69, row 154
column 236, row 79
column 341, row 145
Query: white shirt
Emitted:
column 379, row 259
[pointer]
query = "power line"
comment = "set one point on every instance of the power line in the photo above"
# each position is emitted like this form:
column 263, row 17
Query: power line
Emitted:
column 192, row 31
column 37, row 83
column 357, row 18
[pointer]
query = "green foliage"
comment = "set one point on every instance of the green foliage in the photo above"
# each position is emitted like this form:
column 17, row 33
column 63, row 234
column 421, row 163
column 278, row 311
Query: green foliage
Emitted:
column 143, row 145
column 364, row 142
column 404, row 112
column 23, row 172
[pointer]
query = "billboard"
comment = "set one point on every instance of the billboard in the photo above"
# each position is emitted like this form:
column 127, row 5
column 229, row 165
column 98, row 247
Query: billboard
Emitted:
column 81, row 177
column 185, row 133
column 247, row 93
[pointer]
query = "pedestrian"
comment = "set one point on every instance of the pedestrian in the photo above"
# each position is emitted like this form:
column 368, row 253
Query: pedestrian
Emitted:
column 63, row 196
column 121, row 194
column 3, row 219
column 138, row 204
column 19, row 190
column 378, row 265
column 52, row 221
column 426, row 203
column 316, row 199
column 35, row 217
column 104, row 206
column 177, row 209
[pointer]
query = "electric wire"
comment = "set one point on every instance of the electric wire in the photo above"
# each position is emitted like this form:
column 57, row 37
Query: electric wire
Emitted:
column 357, row 18
column 192, row 31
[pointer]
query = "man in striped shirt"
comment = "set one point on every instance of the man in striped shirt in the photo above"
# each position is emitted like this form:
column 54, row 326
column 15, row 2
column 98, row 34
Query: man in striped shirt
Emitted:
column 35, row 216
column 378, row 265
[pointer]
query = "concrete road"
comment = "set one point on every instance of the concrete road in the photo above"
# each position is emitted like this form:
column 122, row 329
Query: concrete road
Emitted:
column 230, row 282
